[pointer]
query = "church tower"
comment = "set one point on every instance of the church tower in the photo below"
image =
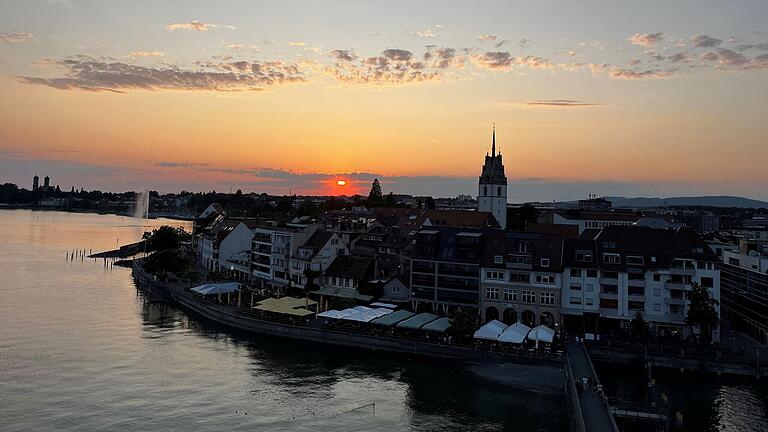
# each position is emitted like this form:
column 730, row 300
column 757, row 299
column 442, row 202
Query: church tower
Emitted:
column 492, row 190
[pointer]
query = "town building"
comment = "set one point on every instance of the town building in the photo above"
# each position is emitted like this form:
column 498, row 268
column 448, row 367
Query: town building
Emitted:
column 35, row 182
column 348, row 277
column 626, row 270
column 492, row 187
column 445, row 268
column 744, row 286
column 314, row 257
column 588, row 219
column 521, row 278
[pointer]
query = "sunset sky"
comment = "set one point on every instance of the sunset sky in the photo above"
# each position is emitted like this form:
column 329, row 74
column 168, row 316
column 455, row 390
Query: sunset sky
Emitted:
column 614, row 98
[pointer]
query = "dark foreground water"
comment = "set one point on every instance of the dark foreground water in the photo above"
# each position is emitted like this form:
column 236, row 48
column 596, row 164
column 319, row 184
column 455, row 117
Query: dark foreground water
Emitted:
column 80, row 351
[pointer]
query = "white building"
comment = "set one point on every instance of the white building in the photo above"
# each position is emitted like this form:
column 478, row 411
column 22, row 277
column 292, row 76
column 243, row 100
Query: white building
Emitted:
column 492, row 187
column 234, row 251
column 625, row 270
column 316, row 254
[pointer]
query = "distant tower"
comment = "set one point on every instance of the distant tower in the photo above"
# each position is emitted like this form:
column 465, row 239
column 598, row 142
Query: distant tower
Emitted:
column 492, row 191
column 35, row 182
column 46, row 183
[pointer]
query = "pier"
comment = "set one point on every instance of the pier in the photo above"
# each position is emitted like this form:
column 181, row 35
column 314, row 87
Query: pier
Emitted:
column 594, row 414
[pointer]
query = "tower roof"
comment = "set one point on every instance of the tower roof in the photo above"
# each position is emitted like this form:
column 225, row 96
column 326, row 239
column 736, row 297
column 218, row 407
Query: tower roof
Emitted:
column 493, row 168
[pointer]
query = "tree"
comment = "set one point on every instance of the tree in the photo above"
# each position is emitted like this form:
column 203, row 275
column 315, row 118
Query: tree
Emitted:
column 429, row 203
column 638, row 328
column 701, row 312
column 375, row 195
column 520, row 217
column 164, row 238
column 464, row 322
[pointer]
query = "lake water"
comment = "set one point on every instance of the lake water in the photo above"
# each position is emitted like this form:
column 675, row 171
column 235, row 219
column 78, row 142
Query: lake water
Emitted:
column 79, row 350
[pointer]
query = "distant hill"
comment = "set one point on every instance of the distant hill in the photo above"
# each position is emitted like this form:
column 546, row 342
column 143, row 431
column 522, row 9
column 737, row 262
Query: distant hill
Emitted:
column 705, row 201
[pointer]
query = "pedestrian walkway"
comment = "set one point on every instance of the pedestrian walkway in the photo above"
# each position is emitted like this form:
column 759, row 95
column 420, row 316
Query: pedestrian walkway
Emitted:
column 594, row 409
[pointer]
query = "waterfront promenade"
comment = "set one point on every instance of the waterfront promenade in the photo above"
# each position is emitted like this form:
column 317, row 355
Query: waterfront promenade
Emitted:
column 594, row 407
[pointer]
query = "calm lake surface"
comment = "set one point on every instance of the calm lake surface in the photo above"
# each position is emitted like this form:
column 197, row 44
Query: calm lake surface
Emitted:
column 80, row 351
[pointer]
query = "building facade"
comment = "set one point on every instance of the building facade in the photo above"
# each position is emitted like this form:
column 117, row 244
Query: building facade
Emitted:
column 521, row 278
column 625, row 270
column 744, row 284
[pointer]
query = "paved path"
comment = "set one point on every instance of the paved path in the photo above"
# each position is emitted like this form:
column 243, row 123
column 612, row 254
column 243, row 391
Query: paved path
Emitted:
column 596, row 416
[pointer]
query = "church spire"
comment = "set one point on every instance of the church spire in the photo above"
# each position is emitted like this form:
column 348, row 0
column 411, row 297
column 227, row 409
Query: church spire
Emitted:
column 493, row 151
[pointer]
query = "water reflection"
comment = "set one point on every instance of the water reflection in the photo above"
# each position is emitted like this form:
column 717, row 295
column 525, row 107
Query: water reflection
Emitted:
column 436, row 396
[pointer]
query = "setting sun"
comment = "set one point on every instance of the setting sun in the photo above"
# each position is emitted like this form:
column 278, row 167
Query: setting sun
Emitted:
column 341, row 182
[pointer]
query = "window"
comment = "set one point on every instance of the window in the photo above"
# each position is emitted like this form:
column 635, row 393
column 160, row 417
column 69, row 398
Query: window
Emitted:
column 575, row 287
column 591, row 273
column 485, row 190
column 519, row 277
column 657, row 307
column 495, row 275
column 656, row 277
column 545, row 279
column 492, row 293
column 510, row 295
column 610, row 258
column 634, row 260
column 707, row 282
column 346, row 282
column 590, row 288
column 396, row 289
column 657, row 292
column 547, row 298
column 498, row 259
column 529, row 297
column 498, row 191
column 610, row 275
column 588, row 301
column 575, row 300
column 544, row 262
column 584, row 256
column 575, row 273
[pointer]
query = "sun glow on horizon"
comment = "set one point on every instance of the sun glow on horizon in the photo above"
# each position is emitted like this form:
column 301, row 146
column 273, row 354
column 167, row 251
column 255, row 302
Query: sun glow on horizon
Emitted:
column 341, row 182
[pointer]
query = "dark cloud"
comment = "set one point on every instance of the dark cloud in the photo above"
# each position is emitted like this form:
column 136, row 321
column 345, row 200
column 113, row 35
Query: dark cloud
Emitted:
column 342, row 55
column 732, row 58
column 646, row 39
column 560, row 103
column 398, row 66
column 87, row 73
column 443, row 58
column 181, row 164
column 494, row 60
column 640, row 74
column 704, row 41
column 501, row 60
column 760, row 47
column 397, row 54
column 15, row 37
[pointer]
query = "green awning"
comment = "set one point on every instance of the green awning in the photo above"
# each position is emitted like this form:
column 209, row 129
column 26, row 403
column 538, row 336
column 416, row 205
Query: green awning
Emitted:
column 439, row 325
column 391, row 319
column 417, row 321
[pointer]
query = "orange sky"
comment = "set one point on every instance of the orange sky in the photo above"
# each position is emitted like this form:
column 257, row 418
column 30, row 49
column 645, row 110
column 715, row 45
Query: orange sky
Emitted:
column 689, row 126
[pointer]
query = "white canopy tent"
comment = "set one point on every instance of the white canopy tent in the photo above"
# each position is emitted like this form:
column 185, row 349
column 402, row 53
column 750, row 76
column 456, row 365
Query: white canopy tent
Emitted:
column 515, row 333
column 333, row 313
column 219, row 288
column 541, row 334
column 368, row 315
column 490, row 331
column 361, row 308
